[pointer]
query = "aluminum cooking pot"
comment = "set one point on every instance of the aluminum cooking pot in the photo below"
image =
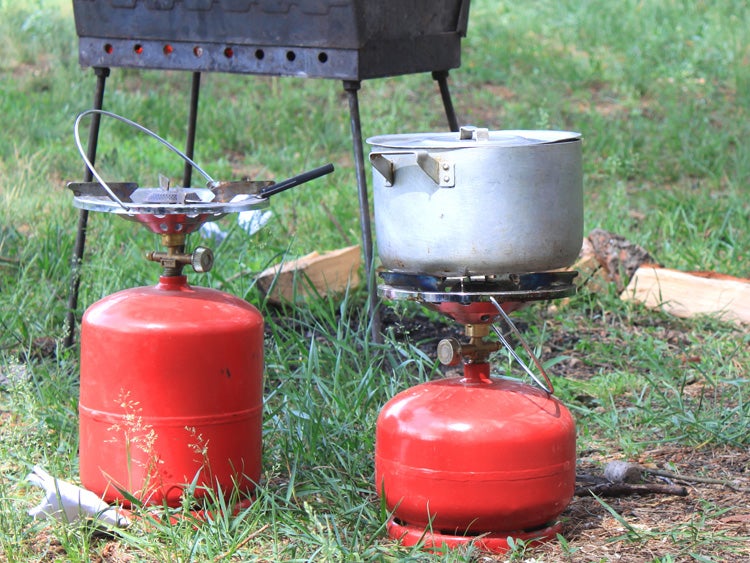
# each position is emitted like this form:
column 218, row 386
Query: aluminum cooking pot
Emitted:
column 477, row 202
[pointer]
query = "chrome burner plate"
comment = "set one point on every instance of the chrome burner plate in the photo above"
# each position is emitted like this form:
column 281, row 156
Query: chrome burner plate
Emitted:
column 157, row 201
column 503, row 288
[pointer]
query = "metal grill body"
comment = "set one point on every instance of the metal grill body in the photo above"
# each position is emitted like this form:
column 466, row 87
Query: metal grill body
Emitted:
column 340, row 39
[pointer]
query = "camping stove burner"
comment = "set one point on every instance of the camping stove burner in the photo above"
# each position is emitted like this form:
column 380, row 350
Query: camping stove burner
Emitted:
column 505, row 288
column 175, row 210
column 477, row 303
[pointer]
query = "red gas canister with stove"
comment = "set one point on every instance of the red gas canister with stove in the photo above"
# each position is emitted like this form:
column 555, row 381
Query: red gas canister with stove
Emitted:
column 171, row 394
column 474, row 458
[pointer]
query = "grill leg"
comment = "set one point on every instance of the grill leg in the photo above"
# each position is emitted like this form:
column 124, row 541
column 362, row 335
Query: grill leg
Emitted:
column 442, row 79
column 83, row 217
column 351, row 87
column 187, row 175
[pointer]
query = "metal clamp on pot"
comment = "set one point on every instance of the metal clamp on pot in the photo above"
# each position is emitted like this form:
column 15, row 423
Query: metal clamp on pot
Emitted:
column 441, row 171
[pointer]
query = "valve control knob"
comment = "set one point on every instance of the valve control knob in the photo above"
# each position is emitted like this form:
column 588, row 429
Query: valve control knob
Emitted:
column 449, row 352
column 202, row 259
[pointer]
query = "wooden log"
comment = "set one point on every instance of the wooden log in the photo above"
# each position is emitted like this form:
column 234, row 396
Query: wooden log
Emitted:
column 607, row 258
column 314, row 274
column 686, row 294
column 618, row 257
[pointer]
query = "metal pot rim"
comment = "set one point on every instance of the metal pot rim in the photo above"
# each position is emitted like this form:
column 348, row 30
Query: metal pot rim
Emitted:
column 476, row 138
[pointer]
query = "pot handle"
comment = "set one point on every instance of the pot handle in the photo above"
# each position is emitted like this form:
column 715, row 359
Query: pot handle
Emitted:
column 384, row 166
column 440, row 170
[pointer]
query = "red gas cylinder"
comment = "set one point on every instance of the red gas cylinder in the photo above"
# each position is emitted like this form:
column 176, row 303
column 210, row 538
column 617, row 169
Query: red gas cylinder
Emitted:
column 472, row 455
column 171, row 392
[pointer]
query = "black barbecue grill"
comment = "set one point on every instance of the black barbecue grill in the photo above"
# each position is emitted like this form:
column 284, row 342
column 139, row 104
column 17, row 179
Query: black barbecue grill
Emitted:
column 348, row 40
column 342, row 39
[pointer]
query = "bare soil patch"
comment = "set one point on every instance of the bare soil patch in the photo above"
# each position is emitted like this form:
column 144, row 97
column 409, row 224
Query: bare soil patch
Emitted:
column 716, row 517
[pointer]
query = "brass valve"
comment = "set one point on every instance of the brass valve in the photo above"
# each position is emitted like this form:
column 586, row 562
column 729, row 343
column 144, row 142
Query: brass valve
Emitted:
column 450, row 351
column 201, row 260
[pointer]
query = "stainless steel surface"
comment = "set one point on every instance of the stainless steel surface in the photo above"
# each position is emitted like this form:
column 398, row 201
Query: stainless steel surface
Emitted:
column 436, row 297
column 342, row 39
column 126, row 198
column 92, row 197
column 504, row 201
column 468, row 137
column 434, row 290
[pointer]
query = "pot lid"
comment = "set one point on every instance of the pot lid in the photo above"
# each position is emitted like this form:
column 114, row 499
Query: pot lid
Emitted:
column 472, row 137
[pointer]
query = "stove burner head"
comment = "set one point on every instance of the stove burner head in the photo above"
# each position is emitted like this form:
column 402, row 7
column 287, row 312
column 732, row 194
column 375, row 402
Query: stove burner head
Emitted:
column 468, row 299
column 477, row 302
column 174, row 210
column 170, row 210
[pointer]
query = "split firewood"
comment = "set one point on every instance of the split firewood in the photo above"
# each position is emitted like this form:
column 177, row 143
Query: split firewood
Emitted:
column 686, row 294
column 607, row 258
column 313, row 274
column 615, row 255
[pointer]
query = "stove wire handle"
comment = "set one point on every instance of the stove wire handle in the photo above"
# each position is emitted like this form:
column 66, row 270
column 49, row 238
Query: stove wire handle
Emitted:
column 548, row 388
column 135, row 125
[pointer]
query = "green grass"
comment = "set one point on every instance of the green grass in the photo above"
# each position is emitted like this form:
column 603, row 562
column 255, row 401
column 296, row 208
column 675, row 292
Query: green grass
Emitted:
column 659, row 90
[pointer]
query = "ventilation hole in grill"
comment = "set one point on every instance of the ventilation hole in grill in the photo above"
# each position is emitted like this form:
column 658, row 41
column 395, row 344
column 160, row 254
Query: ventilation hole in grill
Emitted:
column 138, row 49
column 323, row 57
column 229, row 52
column 198, row 51
column 259, row 54
column 168, row 49
column 290, row 56
column 108, row 48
